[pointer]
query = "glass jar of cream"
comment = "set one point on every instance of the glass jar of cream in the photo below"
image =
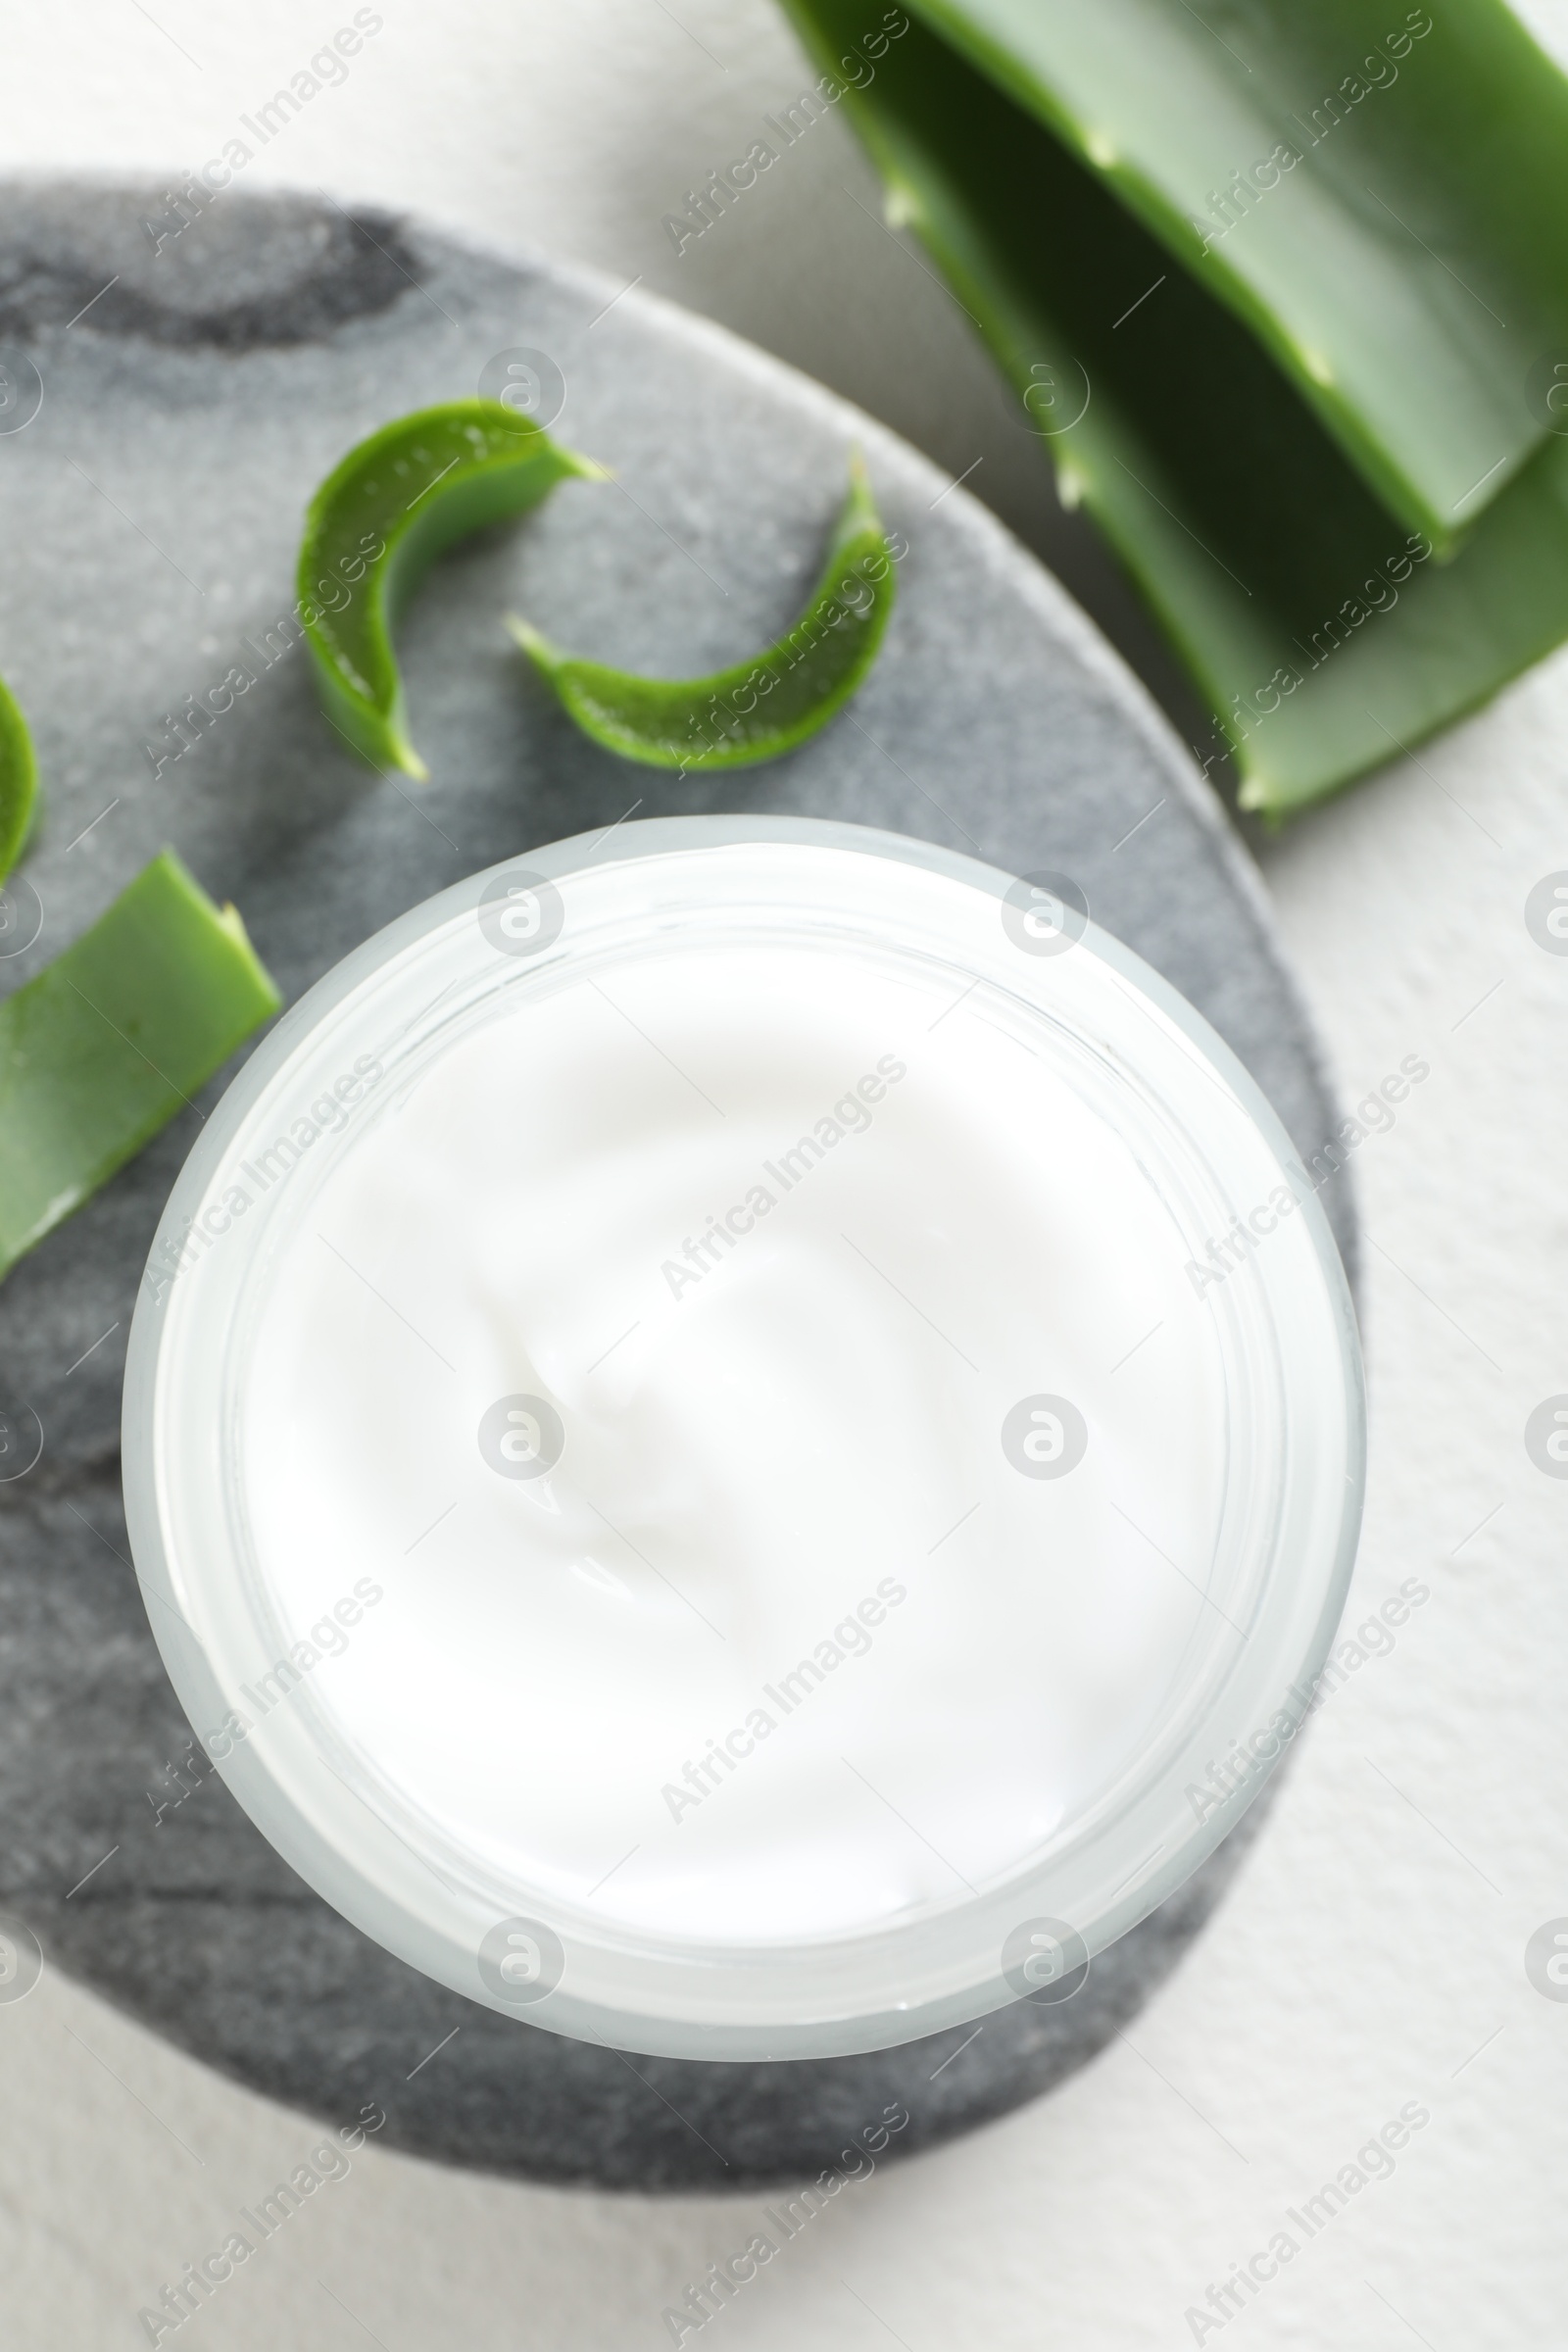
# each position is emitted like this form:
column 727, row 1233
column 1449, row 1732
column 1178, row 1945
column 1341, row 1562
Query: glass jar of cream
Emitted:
column 727, row 1421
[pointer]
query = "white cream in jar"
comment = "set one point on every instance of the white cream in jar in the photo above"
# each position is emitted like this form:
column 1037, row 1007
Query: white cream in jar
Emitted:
column 737, row 1316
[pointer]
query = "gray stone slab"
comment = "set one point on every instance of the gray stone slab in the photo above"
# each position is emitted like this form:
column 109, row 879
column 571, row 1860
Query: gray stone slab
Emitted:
column 150, row 512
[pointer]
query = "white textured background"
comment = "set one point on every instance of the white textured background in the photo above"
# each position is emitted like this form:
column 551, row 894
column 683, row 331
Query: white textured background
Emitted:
column 1372, row 1954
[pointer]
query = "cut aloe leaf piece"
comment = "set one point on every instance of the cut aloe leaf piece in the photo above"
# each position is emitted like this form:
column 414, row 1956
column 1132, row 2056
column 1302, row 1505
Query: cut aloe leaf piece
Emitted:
column 376, row 524
column 112, row 1039
column 19, row 783
column 1380, row 194
column 1322, row 635
column 763, row 705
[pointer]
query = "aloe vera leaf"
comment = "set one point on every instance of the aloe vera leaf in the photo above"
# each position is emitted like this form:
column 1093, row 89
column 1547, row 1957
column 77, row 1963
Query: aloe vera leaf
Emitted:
column 19, row 783
column 373, row 526
column 1402, row 253
column 1253, row 538
column 112, row 1038
column 764, row 704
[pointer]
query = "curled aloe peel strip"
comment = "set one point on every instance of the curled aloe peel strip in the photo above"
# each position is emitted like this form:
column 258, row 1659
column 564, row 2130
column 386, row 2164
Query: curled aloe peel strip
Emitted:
column 375, row 523
column 112, row 1039
column 1324, row 635
column 761, row 707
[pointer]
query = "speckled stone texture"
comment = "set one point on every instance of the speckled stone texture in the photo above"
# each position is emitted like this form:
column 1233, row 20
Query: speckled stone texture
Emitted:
column 151, row 514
